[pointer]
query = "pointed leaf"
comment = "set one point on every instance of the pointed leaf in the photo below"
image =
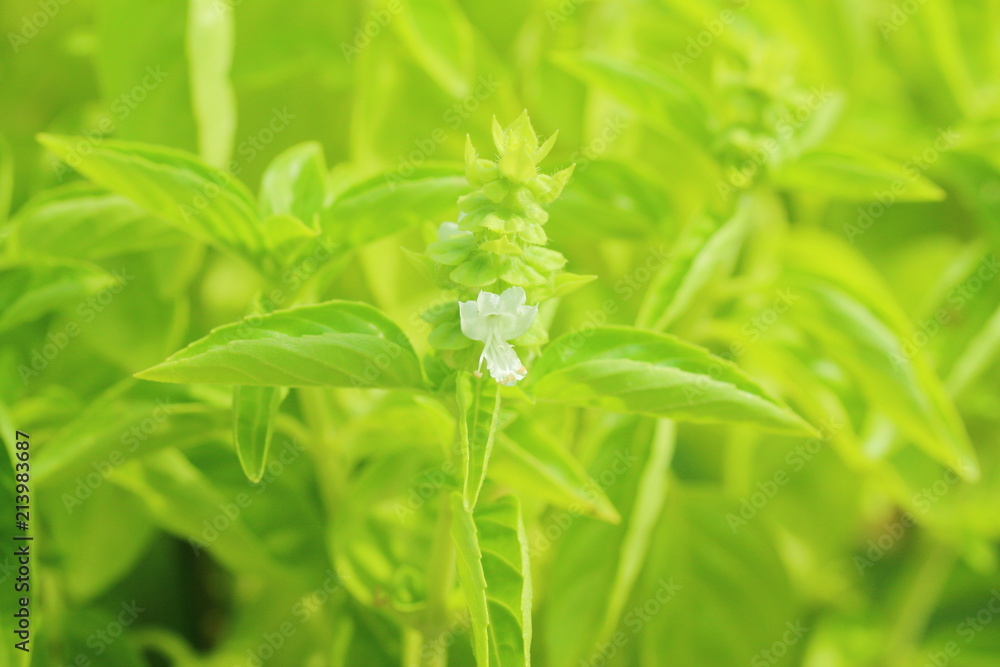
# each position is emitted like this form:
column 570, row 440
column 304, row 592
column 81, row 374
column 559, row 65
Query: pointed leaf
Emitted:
column 529, row 460
column 855, row 320
column 650, row 499
column 28, row 291
column 494, row 572
column 705, row 251
column 209, row 204
column 184, row 501
column 663, row 99
column 332, row 344
column 388, row 203
column 479, row 409
column 254, row 411
column 855, row 174
column 630, row 370
column 295, row 183
column 82, row 221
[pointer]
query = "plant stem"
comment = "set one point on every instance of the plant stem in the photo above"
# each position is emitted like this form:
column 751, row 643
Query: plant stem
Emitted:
column 440, row 579
column 316, row 409
column 412, row 647
column 922, row 586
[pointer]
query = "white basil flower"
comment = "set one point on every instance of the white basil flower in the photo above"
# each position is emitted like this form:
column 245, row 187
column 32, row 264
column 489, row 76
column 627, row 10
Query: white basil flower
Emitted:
column 495, row 319
column 450, row 230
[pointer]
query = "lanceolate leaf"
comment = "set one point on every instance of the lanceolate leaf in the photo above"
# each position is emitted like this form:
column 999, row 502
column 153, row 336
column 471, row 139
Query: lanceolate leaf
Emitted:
column 529, row 460
column 183, row 501
column 295, row 184
column 977, row 357
column 629, row 370
column 28, row 291
column 700, row 255
column 388, row 203
column 663, row 99
column 471, row 577
column 441, row 41
column 855, row 320
column 651, row 496
column 254, row 411
column 703, row 585
column 209, row 204
column 495, row 575
column 479, row 410
column 82, row 221
column 332, row 344
column 858, row 175
column 893, row 376
column 128, row 421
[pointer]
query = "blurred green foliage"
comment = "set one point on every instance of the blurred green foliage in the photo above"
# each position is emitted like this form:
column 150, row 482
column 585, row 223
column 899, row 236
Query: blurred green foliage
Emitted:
column 810, row 191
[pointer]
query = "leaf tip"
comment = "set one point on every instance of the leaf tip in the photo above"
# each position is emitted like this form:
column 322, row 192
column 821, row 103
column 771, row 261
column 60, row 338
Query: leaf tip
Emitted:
column 151, row 374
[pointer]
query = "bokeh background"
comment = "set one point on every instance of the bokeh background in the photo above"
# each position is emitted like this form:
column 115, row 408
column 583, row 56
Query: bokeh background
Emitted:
column 863, row 290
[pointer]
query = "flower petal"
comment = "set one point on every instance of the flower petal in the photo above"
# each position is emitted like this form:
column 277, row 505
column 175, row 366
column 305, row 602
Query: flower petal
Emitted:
column 447, row 230
column 512, row 299
column 511, row 326
column 504, row 365
column 474, row 325
column 489, row 303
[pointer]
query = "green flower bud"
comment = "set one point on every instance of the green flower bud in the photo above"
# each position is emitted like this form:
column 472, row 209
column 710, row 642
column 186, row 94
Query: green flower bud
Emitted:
column 497, row 245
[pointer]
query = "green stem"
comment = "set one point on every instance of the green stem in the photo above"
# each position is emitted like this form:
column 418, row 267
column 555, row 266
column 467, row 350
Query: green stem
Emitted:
column 440, row 580
column 921, row 588
column 412, row 647
column 317, row 411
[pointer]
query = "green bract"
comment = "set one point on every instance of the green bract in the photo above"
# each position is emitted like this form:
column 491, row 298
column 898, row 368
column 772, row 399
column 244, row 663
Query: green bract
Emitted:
column 293, row 372
column 504, row 219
